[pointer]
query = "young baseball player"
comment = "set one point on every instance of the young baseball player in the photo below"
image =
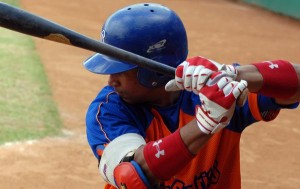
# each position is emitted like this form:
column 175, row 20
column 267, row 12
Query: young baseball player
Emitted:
column 148, row 130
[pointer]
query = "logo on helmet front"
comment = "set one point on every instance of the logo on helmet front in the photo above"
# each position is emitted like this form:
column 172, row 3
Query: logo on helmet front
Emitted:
column 157, row 46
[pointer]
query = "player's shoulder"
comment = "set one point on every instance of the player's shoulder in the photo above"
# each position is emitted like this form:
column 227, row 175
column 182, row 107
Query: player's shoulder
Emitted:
column 106, row 97
column 106, row 94
column 107, row 90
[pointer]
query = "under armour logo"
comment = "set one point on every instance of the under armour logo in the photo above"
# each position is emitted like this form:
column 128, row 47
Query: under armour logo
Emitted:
column 159, row 152
column 272, row 65
column 157, row 46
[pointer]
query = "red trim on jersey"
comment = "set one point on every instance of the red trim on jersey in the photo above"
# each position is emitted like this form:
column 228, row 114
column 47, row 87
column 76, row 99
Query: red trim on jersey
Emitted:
column 253, row 105
column 167, row 156
column 280, row 79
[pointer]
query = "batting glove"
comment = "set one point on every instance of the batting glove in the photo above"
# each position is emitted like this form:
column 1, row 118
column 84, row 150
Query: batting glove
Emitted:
column 192, row 75
column 218, row 100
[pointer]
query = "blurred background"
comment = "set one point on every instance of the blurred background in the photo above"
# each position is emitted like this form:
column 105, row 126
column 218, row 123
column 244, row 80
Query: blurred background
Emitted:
column 45, row 90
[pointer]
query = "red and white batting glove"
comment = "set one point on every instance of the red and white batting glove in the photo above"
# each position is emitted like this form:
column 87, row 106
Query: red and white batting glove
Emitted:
column 192, row 75
column 218, row 100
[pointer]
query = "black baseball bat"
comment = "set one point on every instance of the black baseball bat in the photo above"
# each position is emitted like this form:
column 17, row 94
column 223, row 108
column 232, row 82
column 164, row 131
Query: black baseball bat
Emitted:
column 19, row 20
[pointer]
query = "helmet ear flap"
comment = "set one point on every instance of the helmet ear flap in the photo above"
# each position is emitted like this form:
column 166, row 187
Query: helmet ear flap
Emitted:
column 151, row 79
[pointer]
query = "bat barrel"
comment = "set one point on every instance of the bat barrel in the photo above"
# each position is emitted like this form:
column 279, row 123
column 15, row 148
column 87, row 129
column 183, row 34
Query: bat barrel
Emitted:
column 27, row 23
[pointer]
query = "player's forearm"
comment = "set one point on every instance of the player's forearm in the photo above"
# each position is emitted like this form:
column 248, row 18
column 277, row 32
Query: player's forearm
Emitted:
column 255, row 82
column 192, row 137
column 252, row 76
column 139, row 158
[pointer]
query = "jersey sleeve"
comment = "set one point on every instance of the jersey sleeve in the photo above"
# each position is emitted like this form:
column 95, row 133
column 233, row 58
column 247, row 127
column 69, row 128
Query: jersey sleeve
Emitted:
column 265, row 108
column 257, row 108
column 107, row 118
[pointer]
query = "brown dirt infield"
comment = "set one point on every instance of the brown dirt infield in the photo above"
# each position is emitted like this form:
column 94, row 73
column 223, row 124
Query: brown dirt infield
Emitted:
column 221, row 30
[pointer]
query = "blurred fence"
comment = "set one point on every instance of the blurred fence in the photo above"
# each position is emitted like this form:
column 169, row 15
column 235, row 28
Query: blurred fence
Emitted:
column 287, row 7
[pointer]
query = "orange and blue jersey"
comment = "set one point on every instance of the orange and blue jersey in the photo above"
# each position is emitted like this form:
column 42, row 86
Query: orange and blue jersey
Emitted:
column 217, row 165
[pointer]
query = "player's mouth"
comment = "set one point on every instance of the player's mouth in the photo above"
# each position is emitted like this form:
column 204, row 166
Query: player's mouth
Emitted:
column 126, row 98
column 122, row 94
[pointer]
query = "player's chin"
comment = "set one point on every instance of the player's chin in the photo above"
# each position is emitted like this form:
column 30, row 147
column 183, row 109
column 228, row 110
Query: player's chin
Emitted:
column 128, row 98
column 132, row 100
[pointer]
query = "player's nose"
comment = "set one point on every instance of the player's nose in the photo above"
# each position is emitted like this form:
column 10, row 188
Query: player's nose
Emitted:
column 113, row 80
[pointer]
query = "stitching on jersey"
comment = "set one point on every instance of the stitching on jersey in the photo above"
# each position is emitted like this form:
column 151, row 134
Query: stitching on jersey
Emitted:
column 99, row 107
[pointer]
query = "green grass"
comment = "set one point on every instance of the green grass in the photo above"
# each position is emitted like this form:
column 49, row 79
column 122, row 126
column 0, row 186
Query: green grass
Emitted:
column 27, row 110
column 11, row 2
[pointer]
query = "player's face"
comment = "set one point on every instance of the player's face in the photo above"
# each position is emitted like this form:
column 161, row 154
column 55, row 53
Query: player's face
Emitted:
column 129, row 88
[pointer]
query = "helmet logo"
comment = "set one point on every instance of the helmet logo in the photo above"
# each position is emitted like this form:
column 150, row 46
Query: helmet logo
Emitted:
column 102, row 35
column 157, row 46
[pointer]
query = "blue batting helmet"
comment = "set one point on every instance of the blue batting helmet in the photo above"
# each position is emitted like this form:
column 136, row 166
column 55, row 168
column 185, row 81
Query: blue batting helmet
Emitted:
column 149, row 30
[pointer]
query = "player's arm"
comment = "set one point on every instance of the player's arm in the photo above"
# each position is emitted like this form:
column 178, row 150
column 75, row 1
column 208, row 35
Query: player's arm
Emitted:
column 129, row 161
column 164, row 158
column 186, row 143
column 278, row 79
column 124, row 160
